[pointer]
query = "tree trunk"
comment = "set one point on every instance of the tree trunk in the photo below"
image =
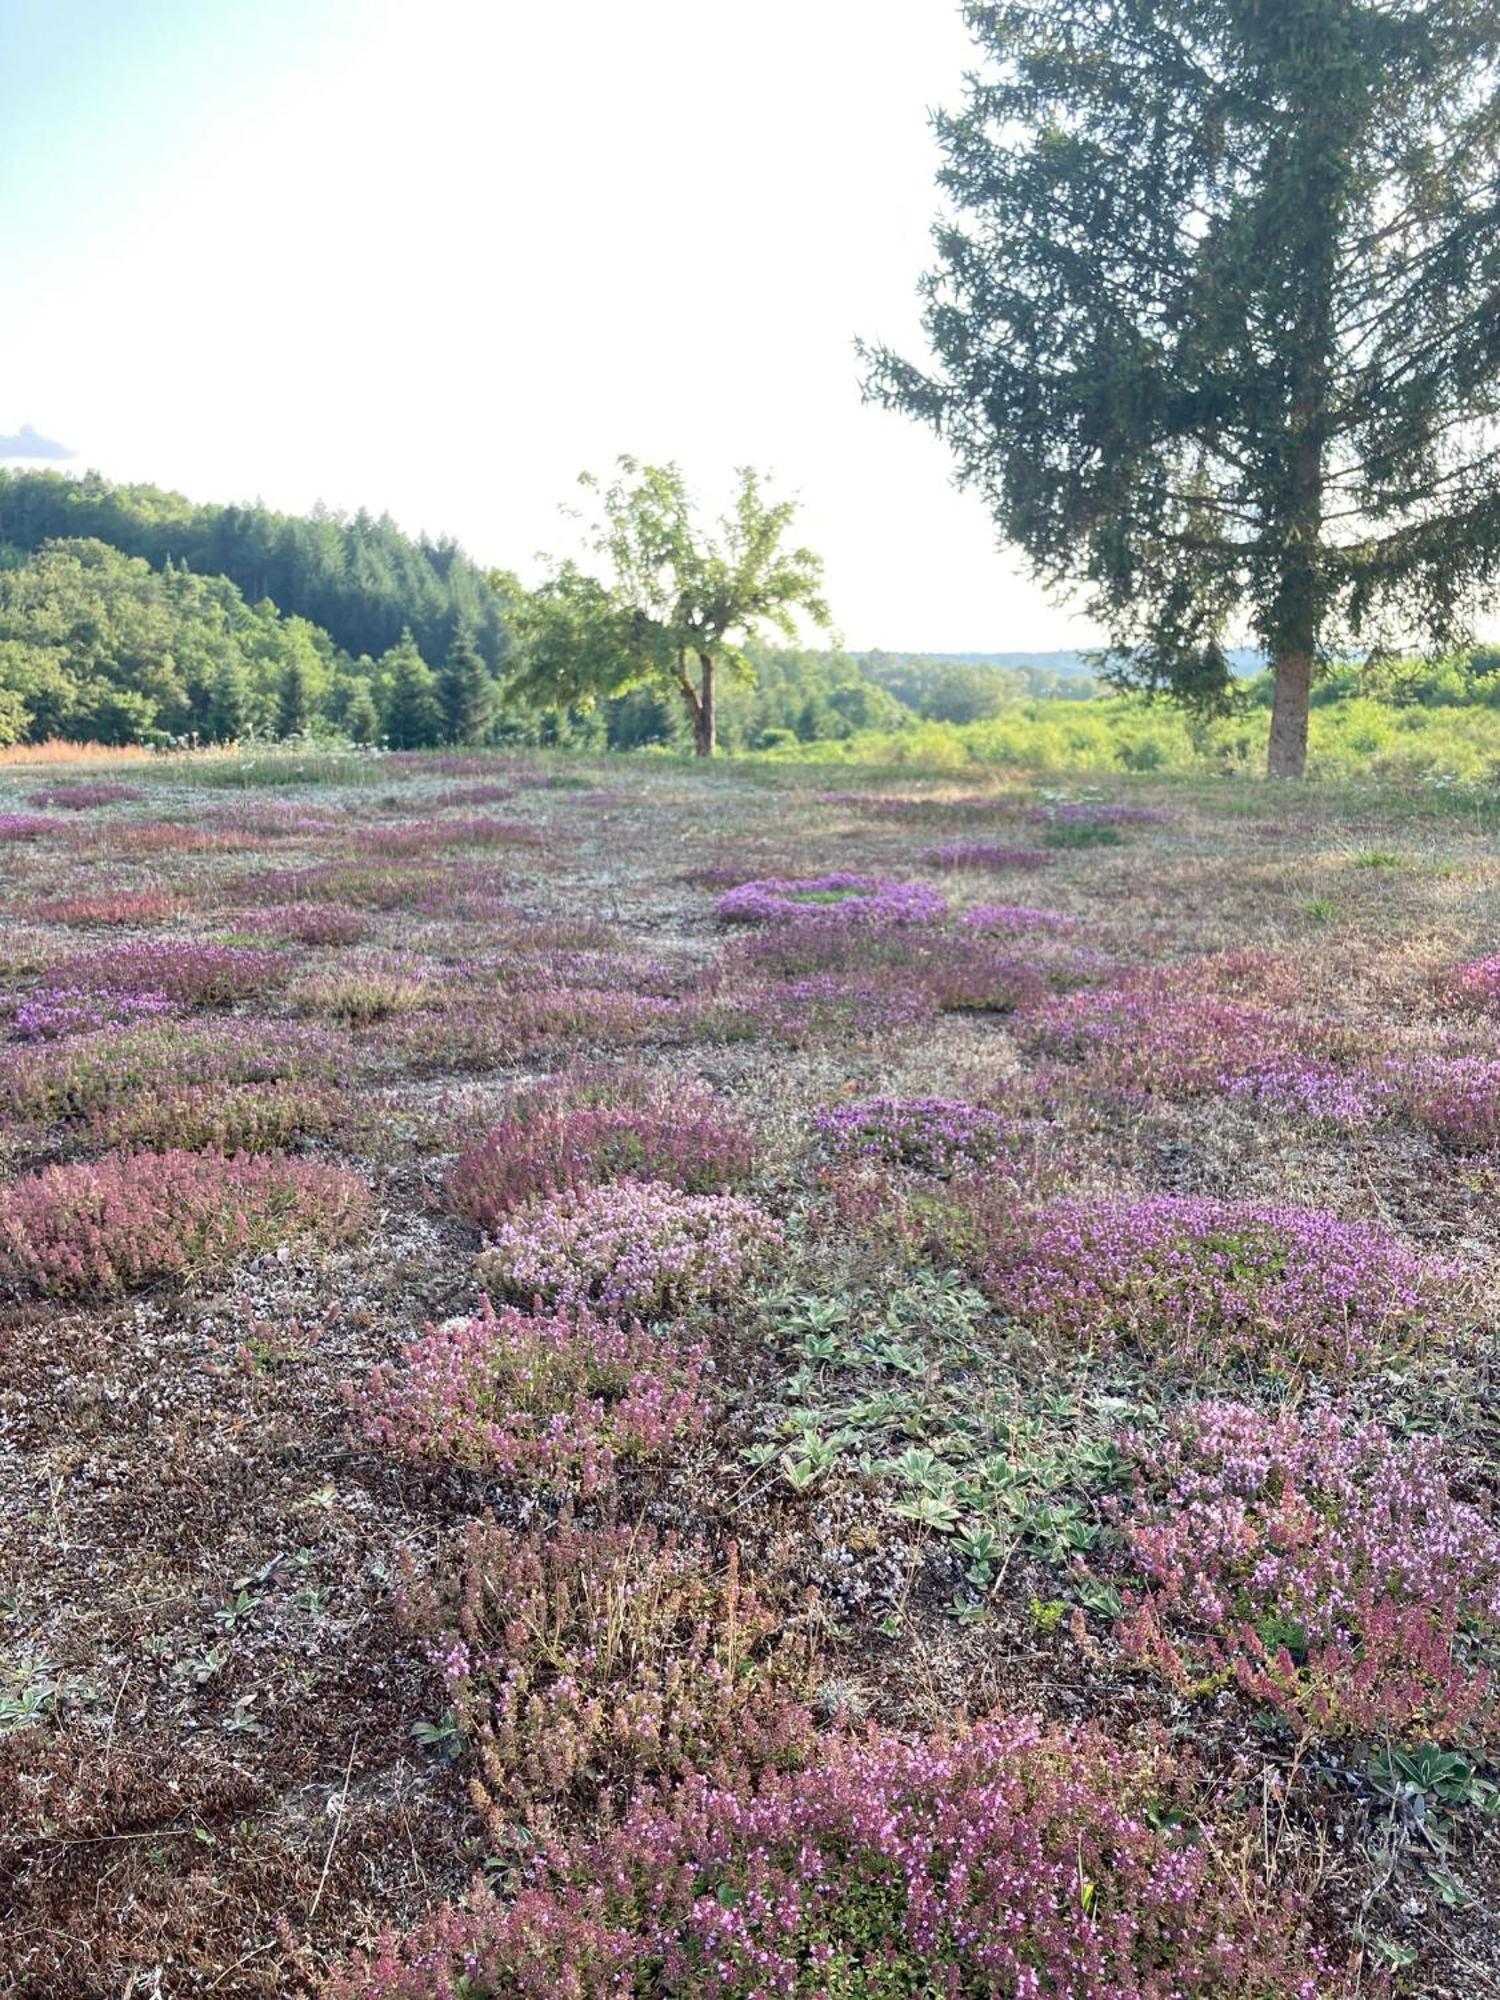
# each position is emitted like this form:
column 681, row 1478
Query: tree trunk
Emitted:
column 1288, row 753
column 705, row 731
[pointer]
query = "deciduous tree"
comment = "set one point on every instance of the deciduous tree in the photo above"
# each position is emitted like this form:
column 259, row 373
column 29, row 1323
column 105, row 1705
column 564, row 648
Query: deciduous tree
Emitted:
column 674, row 603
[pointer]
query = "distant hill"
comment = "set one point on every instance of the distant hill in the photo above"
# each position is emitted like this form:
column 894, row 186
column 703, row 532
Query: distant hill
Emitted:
column 1244, row 660
column 357, row 577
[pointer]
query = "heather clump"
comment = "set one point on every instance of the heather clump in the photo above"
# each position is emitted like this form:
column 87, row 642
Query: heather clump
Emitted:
column 100, row 1227
column 934, row 1135
column 593, row 1127
column 221, row 1117
column 831, row 899
column 429, row 836
column 1475, row 985
column 826, row 1008
column 83, row 795
column 112, row 907
column 52, row 1013
column 83, row 1077
column 308, row 923
column 1169, row 1035
column 1014, row 1859
column 1320, row 1564
column 637, row 1249
column 1183, row 1281
column 989, row 856
column 557, row 1399
column 28, row 826
column 583, row 1662
column 191, row 972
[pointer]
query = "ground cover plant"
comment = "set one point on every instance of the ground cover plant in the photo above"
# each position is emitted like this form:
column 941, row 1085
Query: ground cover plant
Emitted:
column 654, row 1388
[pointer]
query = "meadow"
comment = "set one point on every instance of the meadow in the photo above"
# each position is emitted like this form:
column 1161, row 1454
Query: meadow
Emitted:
column 628, row 1380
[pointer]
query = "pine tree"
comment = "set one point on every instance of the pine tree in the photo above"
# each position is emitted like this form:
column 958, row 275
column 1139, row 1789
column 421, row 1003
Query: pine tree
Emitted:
column 1216, row 318
column 413, row 713
column 229, row 706
column 361, row 716
column 292, row 704
column 465, row 691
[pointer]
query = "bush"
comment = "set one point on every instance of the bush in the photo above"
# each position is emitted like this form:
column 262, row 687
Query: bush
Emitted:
column 555, row 1399
column 591, row 1128
column 104, row 1226
column 639, row 1249
column 1322, row 1565
column 1184, row 1280
column 1017, row 1860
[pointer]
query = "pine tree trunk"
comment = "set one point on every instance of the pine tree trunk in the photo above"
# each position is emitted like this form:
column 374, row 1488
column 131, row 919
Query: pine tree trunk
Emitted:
column 705, row 728
column 1288, row 753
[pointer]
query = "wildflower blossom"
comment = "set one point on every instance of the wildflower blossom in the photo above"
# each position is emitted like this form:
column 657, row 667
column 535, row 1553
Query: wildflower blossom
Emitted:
column 1324, row 1565
column 859, row 899
column 637, row 1249
column 937, row 1135
column 556, row 1398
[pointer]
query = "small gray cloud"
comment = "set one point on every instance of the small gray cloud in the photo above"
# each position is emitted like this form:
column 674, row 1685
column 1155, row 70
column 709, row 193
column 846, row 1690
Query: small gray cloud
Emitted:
column 29, row 443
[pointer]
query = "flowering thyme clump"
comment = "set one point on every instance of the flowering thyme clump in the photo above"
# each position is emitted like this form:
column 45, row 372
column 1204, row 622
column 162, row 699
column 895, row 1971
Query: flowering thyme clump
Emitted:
column 99, row 1227
column 80, row 796
column 936, row 1135
column 55, row 1011
column 1018, row 1860
column 556, row 1398
column 27, row 826
column 986, row 854
column 638, row 1248
column 584, row 1662
column 1183, row 1280
column 187, row 970
column 593, row 1127
column 842, row 899
column 1323, row 1565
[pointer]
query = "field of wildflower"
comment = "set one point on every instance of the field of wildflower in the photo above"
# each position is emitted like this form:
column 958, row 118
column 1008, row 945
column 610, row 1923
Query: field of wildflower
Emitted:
column 623, row 1381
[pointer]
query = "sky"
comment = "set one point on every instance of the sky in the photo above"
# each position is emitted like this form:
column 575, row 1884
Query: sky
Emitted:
column 436, row 257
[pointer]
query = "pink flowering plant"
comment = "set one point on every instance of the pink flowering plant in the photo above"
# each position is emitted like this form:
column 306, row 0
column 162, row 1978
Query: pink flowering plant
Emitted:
column 105, row 1226
column 581, row 1662
column 191, row 972
column 1320, row 1564
column 1014, row 1860
column 1184, row 1280
column 934, row 1135
column 556, row 1398
column 993, row 857
column 51, row 1013
column 596, row 1126
column 831, row 899
column 638, row 1249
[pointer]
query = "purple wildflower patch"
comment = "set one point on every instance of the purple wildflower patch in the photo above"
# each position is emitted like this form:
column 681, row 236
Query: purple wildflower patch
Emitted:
column 1182, row 1279
column 557, row 1399
column 936, row 1135
column 839, row 899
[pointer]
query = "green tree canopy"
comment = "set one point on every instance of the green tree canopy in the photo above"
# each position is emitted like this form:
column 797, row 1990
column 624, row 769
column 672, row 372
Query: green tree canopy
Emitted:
column 675, row 601
column 1216, row 322
column 413, row 713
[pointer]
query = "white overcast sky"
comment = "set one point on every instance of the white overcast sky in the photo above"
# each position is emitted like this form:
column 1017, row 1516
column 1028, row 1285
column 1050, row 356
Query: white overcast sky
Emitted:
column 434, row 257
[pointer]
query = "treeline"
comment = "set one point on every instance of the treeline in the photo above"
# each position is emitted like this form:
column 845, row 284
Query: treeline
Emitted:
column 100, row 647
column 360, row 579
